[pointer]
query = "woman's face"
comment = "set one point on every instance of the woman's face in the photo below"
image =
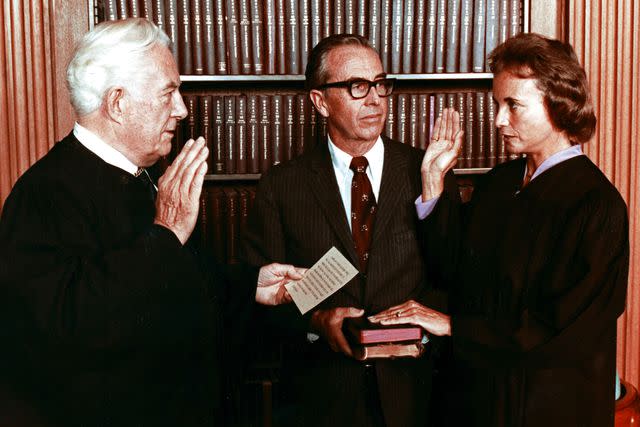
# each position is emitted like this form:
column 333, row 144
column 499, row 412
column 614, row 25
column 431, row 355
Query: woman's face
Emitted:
column 521, row 117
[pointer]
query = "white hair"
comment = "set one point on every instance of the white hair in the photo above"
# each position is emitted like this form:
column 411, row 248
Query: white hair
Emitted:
column 112, row 54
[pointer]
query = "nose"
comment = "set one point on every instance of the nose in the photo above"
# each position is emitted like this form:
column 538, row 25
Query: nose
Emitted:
column 372, row 97
column 179, row 109
column 501, row 118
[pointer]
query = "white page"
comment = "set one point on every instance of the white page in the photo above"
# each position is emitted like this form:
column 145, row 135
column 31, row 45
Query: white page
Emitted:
column 329, row 274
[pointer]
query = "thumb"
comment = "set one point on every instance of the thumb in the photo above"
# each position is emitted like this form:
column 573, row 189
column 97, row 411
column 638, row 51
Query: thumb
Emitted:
column 354, row 312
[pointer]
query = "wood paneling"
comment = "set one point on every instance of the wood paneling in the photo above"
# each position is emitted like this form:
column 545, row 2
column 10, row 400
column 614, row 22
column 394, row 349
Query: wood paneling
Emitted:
column 607, row 40
column 34, row 109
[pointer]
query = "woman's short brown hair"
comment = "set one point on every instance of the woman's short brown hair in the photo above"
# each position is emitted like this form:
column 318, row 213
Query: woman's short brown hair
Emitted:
column 559, row 76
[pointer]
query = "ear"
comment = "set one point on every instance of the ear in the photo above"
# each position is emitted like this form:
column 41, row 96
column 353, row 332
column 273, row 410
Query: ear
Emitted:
column 114, row 104
column 317, row 97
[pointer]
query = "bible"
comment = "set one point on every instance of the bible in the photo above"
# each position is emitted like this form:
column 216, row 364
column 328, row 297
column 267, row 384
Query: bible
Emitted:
column 374, row 341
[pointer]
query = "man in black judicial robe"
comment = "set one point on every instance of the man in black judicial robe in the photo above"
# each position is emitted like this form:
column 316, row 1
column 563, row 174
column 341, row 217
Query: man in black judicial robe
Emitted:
column 107, row 317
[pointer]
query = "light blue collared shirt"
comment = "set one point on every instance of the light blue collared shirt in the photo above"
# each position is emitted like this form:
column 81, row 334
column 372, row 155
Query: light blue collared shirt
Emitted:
column 424, row 209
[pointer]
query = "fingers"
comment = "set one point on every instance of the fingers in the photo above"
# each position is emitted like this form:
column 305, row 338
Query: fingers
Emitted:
column 329, row 324
column 287, row 270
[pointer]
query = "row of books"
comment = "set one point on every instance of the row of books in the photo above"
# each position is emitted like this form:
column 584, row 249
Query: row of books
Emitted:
column 222, row 220
column 247, row 134
column 255, row 37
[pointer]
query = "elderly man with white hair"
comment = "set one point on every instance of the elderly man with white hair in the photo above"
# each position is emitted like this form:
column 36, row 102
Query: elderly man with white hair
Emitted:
column 108, row 318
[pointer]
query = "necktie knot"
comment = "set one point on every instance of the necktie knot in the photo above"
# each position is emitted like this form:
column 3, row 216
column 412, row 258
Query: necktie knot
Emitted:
column 359, row 164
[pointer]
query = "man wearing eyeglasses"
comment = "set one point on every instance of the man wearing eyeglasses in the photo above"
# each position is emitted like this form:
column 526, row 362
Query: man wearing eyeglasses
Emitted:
column 355, row 192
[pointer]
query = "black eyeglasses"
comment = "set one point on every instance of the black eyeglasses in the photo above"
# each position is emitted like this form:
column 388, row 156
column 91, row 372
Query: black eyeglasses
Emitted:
column 359, row 88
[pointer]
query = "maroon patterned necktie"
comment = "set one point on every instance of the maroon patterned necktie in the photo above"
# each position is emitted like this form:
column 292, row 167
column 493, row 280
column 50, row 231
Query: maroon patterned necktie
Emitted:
column 363, row 209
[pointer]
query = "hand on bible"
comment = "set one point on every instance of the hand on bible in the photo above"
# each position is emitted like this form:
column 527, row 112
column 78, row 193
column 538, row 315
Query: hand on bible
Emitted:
column 179, row 190
column 442, row 153
column 328, row 323
column 271, row 281
column 412, row 312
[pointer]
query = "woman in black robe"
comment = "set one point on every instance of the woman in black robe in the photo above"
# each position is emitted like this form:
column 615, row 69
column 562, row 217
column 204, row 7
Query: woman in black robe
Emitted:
column 537, row 262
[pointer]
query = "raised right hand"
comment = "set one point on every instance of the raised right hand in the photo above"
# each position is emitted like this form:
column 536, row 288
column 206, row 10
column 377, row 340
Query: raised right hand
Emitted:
column 442, row 153
column 179, row 189
column 328, row 323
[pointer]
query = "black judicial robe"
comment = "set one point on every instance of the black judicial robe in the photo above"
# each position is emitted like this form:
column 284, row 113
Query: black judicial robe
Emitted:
column 106, row 319
column 537, row 284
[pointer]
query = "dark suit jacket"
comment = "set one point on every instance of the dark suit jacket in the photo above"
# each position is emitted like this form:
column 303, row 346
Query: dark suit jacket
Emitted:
column 105, row 318
column 298, row 215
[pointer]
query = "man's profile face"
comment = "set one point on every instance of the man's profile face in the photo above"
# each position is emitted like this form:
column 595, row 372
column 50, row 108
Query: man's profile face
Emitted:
column 351, row 121
column 154, row 108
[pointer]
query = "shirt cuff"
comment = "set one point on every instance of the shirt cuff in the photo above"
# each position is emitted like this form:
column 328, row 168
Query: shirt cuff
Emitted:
column 424, row 209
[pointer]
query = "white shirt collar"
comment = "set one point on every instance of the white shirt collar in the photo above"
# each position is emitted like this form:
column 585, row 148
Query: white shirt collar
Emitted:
column 341, row 161
column 375, row 156
column 103, row 150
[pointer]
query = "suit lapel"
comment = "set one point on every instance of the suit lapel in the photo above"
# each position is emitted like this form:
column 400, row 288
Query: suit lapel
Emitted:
column 391, row 188
column 325, row 189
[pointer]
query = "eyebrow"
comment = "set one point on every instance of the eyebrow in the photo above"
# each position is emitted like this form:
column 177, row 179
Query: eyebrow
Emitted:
column 377, row 77
column 171, row 85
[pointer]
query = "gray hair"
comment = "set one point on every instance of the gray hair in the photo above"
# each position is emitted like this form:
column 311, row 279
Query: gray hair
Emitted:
column 112, row 54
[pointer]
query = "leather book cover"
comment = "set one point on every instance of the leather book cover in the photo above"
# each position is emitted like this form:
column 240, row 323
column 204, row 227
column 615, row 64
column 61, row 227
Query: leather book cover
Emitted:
column 479, row 143
column 469, row 131
column 257, row 46
column 388, row 351
column 492, row 30
column 253, row 135
column 408, row 49
column 304, row 44
column 362, row 18
column 402, row 119
column 197, row 32
column 230, row 133
column 491, row 131
column 233, row 36
column 185, row 41
column 479, row 16
column 423, row 121
column 206, row 130
column 452, row 57
column 292, row 42
column 316, row 23
column 420, row 19
column 374, row 23
column 246, row 44
column 241, row 134
column 441, row 37
column 208, row 39
column 338, row 17
column 361, row 331
column 466, row 36
column 281, row 49
column 301, row 123
column 413, row 121
column 134, row 9
column 221, row 58
column 146, row 9
column 289, row 136
column 271, row 42
column 430, row 36
column 171, row 9
column 159, row 15
column 397, row 46
column 277, row 129
column 349, row 17
column 264, row 133
column 390, row 125
column 218, row 152
column 515, row 18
